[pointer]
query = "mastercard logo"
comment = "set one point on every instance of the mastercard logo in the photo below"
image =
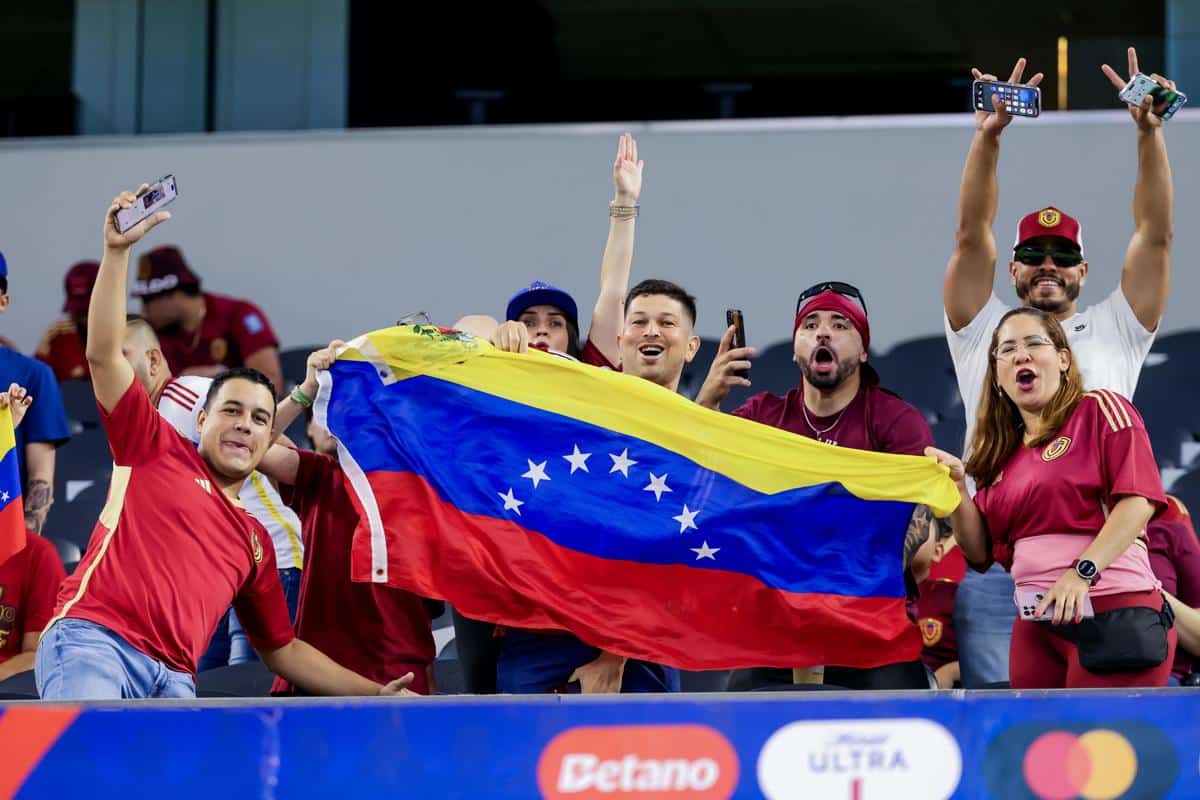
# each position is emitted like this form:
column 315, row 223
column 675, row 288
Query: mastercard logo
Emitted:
column 689, row 761
column 1120, row 761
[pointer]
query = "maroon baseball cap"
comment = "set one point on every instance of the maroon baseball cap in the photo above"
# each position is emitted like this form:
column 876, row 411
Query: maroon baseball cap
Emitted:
column 163, row 270
column 78, row 284
column 1049, row 221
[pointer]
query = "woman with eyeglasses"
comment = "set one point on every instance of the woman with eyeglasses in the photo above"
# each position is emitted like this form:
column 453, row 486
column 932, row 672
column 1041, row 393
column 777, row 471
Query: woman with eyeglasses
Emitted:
column 1066, row 486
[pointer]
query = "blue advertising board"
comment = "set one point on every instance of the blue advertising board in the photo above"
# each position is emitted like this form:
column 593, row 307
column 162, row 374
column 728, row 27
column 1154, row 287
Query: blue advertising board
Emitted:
column 856, row 746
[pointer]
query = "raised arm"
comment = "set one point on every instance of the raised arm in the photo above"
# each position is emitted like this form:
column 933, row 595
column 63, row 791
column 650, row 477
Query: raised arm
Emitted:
column 1146, row 275
column 111, row 373
column 609, row 314
column 972, row 268
column 288, row 408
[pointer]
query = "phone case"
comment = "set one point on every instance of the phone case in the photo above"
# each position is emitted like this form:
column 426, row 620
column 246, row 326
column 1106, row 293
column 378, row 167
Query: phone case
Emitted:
column 1141, row 85
column 1027, row 603
column 1019, row 100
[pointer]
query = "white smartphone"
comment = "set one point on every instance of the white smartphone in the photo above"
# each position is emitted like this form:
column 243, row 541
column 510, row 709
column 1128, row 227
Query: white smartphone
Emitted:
column 1027, row 603
column 1166, row 101
column 155, row 197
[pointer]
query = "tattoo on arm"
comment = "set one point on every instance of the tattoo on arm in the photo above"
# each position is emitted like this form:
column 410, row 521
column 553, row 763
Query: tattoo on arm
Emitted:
column 38, row 497
column 917, row 533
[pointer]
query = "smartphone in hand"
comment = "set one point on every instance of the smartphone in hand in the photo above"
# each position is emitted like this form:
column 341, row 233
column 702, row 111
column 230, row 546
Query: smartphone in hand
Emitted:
column 156, row 196
column 1017, row 99
column 733, row 316
column 1027, row 603
column 1165, row 101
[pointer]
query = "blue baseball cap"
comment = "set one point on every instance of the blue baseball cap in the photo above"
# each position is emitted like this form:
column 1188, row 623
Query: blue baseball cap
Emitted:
column 3, row 267
column 541, row 293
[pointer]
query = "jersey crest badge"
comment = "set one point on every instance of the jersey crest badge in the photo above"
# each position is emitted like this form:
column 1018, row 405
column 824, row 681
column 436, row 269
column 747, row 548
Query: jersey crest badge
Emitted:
column 218, row 350
column 1049, row 217
column 1056, row 448
column 931, row 631
column 257, row 547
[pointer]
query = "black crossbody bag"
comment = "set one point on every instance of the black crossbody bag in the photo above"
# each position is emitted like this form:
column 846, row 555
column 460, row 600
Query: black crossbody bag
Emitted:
column 1121, row 640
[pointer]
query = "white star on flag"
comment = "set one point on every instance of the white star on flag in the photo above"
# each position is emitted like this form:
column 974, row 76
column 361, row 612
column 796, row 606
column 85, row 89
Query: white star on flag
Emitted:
column 622, row 463
column 578, row 460
column 704, row 551
column 657, row 485
column 687, row 519
column 511, row 503
column 536, row 473
column 4, row 497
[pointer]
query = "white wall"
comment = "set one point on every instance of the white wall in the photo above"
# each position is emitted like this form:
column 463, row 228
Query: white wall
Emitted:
column 337, row 233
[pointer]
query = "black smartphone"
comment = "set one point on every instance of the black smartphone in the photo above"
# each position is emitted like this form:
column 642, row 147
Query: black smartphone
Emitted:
column 733, row 316
column 1018, row 100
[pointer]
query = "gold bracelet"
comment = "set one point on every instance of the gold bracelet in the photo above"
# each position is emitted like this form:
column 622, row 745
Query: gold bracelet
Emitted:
column 623, row 212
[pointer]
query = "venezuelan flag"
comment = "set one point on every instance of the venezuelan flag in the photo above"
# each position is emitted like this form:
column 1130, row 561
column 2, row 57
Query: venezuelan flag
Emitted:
column 535, row 492
column 12, row 510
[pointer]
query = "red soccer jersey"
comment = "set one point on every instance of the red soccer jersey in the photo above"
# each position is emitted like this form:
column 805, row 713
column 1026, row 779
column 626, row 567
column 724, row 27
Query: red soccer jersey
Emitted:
column 375, row 630
column 232, row 331
column 874, row 420
column 29, row 582
column 591, row 355
column 170, row 550
column 62, row 350
column 1068, row 486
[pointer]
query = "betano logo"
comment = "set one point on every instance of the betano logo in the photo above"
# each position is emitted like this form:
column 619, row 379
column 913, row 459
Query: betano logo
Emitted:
column 916, row 759
column 691, row 761
column 1061, row 761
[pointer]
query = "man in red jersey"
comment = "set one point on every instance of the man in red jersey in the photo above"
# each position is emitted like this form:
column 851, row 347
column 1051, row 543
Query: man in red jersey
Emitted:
column 373, row 629
column 202, row 333
column 173, row 546
column 61, row 347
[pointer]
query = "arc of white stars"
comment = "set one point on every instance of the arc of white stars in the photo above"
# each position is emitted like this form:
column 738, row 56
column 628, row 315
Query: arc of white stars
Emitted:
column 621, row 463
column 686, row 519
column 704, row 551
column 578, row 460
column 511, row 503
column 536, row 473
column 657, row 485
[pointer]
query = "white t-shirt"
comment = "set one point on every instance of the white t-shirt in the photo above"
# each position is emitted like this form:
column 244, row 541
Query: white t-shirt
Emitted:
column 1108, row 342
column 180, row 404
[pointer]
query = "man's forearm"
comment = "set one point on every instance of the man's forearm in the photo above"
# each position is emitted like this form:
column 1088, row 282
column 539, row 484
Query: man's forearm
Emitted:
column 21, row 662
column 39, row 485
column 316, row 673
column 1153, row 195
column 979, row 194
column 106, row 310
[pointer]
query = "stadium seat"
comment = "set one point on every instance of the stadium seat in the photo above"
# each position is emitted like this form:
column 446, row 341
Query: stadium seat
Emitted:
column 1187, row 489
column 1170, row 414
column 81, row 476
column 921, row 372
column 251, row 679
column 950, row 430
column 80, row 404
column 713, row 680
column 21, row 686
column 294, row 362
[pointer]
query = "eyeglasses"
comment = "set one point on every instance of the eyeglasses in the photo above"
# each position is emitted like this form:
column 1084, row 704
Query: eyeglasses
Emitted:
column 1030, row 344
column 1034, row 256
column 415, row 318
column 844, row 289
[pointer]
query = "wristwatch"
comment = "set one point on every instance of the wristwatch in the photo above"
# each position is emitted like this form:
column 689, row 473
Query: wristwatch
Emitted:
column 1087, row 570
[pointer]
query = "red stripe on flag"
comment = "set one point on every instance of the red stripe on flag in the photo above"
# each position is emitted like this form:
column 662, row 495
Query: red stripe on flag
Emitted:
column 26, row 734
column 495, row 570
column 12, row 529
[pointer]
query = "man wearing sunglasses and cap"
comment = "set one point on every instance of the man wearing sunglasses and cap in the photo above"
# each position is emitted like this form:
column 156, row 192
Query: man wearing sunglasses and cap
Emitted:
column 839, row 401
column 1110, row 339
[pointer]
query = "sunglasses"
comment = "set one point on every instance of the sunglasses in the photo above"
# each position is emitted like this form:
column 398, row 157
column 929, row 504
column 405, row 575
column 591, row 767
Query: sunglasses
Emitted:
column 1034, row 256
column 844, row 289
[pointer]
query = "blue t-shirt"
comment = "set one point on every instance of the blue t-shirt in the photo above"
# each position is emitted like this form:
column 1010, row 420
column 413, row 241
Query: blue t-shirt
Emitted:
column 46, row 420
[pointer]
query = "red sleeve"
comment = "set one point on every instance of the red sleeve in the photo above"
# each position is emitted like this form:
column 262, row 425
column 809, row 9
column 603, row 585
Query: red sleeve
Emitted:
column 592, row 355
column 1125, row 451
column 251, row 330
column 260, row 605
column 907, row 433
column 315, row 475
column 136, row 431
column 46, row 574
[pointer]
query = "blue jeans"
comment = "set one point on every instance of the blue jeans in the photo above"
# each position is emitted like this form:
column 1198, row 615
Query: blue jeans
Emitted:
column 532, row 663
column 229, row 644
column 80, row 660
column 984, row 613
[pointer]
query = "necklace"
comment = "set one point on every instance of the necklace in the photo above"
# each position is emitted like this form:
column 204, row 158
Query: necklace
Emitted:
column 813, row 428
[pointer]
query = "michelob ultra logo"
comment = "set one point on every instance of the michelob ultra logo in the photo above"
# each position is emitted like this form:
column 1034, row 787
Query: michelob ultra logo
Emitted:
column 692, row 761
column 916, row 759
column 1093, row 761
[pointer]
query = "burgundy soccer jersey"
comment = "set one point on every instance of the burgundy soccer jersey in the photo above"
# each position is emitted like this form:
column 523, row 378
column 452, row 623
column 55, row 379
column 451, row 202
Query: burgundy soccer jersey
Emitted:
column 375, row 630
column 1175, row 559
column 1068, row 486
column 170, row 550
column 874, row 420
column 29, row 582
column 591, row 355
column 232, row 331
column 62, row 350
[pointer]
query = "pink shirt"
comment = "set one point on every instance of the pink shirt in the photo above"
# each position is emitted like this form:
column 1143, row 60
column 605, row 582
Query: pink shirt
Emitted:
column 1039, row 561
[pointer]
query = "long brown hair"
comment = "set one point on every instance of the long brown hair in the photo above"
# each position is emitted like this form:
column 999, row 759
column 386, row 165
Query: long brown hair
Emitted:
column 999, row 429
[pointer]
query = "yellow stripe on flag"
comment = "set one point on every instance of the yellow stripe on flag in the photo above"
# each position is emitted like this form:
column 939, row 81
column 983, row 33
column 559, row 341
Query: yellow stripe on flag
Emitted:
column 8, row 439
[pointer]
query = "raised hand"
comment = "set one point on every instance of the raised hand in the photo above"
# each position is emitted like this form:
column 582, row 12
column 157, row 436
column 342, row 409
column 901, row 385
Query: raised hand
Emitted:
column 319, row 360
column 958, row 472
column 113, row 238
column 728, row 370
column 16, row 399
column 1144, row 114
column 511, row 337
column 627, row 172
column 996, row 122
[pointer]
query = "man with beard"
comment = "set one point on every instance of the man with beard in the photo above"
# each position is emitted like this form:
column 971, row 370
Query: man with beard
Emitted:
column 1110, row 339
column 839, row 402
